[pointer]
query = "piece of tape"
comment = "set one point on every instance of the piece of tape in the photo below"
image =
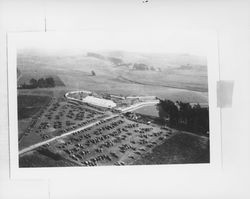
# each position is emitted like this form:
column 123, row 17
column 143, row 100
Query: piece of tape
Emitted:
column 225, row 93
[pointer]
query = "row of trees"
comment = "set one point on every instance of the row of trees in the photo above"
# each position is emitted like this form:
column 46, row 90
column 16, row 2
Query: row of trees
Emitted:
column 184, row 116
column 40, row 83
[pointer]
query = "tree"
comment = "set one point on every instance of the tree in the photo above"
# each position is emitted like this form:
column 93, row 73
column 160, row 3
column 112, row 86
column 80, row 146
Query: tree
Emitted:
column 183, row 116
column 41, row 83
column 50, row 82
column 168, row 109
column 33, row 83
column 184, row 112
column 200, row 119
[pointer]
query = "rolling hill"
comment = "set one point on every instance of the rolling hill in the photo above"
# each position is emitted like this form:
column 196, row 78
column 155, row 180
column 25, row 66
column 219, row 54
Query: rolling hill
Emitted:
column 122, row 72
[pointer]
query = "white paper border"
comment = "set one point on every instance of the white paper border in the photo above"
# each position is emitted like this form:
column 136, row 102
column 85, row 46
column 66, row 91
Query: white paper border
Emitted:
column 106, row 171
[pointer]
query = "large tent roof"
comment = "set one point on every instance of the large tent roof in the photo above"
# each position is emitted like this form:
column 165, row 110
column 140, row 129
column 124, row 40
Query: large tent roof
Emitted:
column 99, row 102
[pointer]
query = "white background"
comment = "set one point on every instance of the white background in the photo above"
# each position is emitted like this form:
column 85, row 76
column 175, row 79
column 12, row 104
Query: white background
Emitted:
column 179, row 39
column 229, row 18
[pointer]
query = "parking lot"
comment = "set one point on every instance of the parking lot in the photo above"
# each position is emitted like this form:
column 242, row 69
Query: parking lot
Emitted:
column 118, row 141
column 88, row 135
column 58, row 117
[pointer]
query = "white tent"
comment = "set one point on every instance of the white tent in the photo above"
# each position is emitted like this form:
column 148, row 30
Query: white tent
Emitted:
column 99, row 102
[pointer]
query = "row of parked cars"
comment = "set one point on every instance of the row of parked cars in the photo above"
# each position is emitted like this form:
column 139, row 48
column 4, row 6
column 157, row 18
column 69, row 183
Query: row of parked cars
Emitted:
column 113, row 138
column 37, row 117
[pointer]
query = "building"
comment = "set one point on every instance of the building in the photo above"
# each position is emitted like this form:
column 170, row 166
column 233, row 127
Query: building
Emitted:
column 99, row 102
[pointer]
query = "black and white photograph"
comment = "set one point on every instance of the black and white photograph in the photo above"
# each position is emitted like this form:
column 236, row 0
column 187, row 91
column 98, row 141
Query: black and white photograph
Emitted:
column 124, row 99
column 112, row 98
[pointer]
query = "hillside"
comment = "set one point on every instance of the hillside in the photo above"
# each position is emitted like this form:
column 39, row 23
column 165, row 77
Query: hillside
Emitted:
column 182, row 148
column 173, row 76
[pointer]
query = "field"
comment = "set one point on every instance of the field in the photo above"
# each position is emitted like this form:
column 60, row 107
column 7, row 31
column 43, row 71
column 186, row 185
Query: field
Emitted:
column 189, row 85
column 22, row 126
column 29, row 105
column 37, row 159
column 148, row 110
column 182, row 148
column 169, row 78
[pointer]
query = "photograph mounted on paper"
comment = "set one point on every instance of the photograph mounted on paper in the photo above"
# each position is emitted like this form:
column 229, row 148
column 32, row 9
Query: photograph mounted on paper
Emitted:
column 112, row 98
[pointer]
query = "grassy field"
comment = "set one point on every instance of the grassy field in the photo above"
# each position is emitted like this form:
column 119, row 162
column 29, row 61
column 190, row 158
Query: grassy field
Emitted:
column 22, row 126
column 75, row 72
column 182, row 148
column 37, row 159
column 30, row 105
column 169, row 78
column 148, row 110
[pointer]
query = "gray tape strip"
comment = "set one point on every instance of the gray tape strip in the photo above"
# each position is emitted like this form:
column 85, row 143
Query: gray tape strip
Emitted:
column 225, row 93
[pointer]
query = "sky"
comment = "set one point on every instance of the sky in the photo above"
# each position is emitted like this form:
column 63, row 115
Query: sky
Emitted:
column 112, row 25
column 146, row 41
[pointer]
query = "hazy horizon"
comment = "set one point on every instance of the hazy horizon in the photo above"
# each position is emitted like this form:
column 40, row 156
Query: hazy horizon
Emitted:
column 137, row 41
